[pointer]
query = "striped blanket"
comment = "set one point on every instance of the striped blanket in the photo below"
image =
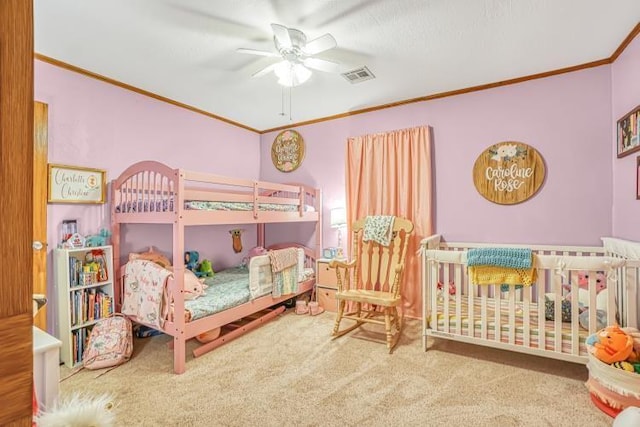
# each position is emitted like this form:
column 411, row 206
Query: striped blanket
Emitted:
column 503, row 266
column 284, row 266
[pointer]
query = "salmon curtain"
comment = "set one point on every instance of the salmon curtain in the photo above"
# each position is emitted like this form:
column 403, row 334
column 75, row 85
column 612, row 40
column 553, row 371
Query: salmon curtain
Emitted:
column 390, row 174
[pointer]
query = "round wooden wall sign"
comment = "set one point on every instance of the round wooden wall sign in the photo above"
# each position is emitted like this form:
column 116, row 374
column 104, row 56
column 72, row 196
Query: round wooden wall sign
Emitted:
column 287, row 151
column 508, row 172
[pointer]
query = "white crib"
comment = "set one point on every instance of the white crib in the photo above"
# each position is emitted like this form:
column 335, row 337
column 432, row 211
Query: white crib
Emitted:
column 515, row 319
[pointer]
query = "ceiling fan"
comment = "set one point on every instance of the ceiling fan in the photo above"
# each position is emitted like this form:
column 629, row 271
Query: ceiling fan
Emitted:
column 297, row 55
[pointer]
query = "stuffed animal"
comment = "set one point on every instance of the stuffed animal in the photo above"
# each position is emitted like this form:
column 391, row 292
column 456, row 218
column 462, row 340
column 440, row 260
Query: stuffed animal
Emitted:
column 611, row 344
column 205, row 269
column 151, row 255
column 583, row 286
column 193, row 287
column 99, row 239
column 236, row 239
column 191, row 260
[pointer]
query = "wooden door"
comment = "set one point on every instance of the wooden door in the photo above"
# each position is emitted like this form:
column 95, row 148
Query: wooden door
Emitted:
column 40, row 147
column 16, row 204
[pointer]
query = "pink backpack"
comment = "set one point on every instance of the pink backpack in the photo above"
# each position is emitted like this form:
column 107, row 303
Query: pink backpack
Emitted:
column 110, row 343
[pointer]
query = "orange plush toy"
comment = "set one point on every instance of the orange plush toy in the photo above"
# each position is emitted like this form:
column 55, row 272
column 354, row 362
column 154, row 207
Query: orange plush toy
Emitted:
column 612, row 344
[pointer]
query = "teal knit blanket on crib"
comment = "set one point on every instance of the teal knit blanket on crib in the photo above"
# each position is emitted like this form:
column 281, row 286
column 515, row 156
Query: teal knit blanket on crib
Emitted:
column 500, row 257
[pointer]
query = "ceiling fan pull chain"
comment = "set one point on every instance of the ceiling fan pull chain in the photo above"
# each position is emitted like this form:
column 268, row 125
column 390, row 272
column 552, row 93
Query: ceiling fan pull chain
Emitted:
column 282, row 101
column 290, row 103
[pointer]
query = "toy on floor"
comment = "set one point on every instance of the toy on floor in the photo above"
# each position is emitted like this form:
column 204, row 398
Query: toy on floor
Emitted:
column 629, row 417
column 611, row 344
column 79, row 411
column 614, row 383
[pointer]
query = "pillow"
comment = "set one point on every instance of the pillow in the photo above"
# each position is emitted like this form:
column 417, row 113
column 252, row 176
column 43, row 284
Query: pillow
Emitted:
column 549, row 309
column 151, row 255
column 258, row 250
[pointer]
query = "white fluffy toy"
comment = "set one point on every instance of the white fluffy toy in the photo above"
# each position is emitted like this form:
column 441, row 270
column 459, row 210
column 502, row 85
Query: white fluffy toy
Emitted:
column 630, row 417
column 79, row 411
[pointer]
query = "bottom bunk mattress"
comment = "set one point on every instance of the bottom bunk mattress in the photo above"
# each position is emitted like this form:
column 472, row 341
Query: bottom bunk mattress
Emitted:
column 227, row 288
column 145, row 290
column 448, row 323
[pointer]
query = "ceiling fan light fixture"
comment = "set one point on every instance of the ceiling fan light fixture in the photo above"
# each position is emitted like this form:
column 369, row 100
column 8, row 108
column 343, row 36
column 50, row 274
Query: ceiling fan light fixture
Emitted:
column 291, row 74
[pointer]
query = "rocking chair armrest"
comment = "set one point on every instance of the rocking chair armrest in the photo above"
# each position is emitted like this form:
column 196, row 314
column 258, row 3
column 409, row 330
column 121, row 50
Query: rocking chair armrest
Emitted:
column 334, row 263
column 399, row 267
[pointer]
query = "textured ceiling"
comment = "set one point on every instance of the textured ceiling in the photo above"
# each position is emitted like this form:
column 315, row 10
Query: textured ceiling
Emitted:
column 186, row 50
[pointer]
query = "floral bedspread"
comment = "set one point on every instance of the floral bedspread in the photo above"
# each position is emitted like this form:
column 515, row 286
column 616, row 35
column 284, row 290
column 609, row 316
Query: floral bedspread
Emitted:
column 227, row 288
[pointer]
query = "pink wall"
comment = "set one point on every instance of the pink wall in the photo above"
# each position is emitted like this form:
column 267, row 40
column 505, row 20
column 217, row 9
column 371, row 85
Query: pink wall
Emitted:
column 625, row 97
column 99, row 125
column 565, row 117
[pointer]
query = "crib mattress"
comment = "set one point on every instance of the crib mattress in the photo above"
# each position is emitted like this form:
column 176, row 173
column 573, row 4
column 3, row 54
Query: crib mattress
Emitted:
column 504, row 326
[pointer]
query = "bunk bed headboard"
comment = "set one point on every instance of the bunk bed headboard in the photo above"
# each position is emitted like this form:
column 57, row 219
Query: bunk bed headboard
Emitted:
column 143, row 187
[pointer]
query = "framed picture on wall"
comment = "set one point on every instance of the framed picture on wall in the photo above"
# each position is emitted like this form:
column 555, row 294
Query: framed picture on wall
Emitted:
column 628, row 133
column 76, row 184
column 638, row 178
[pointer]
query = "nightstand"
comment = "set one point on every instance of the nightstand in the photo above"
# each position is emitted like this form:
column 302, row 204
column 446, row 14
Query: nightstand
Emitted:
column 326, row 285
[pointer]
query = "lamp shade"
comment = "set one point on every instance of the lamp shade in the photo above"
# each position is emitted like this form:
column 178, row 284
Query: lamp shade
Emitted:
column 290, row 74
column 338, row 217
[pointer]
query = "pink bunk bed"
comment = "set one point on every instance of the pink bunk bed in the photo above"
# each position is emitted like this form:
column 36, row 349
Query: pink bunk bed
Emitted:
column 150, row 192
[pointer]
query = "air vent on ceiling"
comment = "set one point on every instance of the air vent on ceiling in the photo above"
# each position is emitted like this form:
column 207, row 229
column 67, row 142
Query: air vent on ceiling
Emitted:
column 358, row 75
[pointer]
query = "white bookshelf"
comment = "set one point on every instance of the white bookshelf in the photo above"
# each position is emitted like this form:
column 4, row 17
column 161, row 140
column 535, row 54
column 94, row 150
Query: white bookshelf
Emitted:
column 85, row 294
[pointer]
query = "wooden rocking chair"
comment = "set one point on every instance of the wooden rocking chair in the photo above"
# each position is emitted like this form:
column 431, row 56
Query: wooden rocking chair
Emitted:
column 369, row 285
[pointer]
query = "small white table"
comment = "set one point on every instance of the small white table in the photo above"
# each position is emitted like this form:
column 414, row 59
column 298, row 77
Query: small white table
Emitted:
column 46, row 367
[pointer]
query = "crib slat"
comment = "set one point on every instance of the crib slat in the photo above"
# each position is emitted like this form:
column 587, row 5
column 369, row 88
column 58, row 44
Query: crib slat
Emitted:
column 435, row 266
column 445, row 296
column 483, row 290
column 471, row 305
column 497, row 313
column 557, row 321
column 592, row 302
column 575, row 311
column 541, row 320
column 611, row 301
column 526, row 316
column 459, row 288
column 512, row 315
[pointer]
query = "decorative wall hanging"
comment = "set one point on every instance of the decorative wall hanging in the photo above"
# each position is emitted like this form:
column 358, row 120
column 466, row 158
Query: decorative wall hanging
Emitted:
column 628, row 133
column 508, row 172
column 287, row 151
column 74, row 184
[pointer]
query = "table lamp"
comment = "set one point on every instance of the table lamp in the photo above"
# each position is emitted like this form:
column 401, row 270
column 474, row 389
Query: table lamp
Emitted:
column 338, row 220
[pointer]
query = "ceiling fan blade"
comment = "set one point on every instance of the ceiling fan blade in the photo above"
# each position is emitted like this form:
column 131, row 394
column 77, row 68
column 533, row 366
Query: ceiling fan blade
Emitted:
column 281, row 34
column 322, row 43
column 256, row 52
column 265, row 70
column 322, row 65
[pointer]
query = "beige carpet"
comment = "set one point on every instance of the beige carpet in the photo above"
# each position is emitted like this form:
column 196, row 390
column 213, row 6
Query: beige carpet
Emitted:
column 289, row 372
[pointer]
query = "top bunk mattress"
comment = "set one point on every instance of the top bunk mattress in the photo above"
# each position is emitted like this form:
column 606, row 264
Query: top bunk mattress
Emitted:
column 166, row 205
